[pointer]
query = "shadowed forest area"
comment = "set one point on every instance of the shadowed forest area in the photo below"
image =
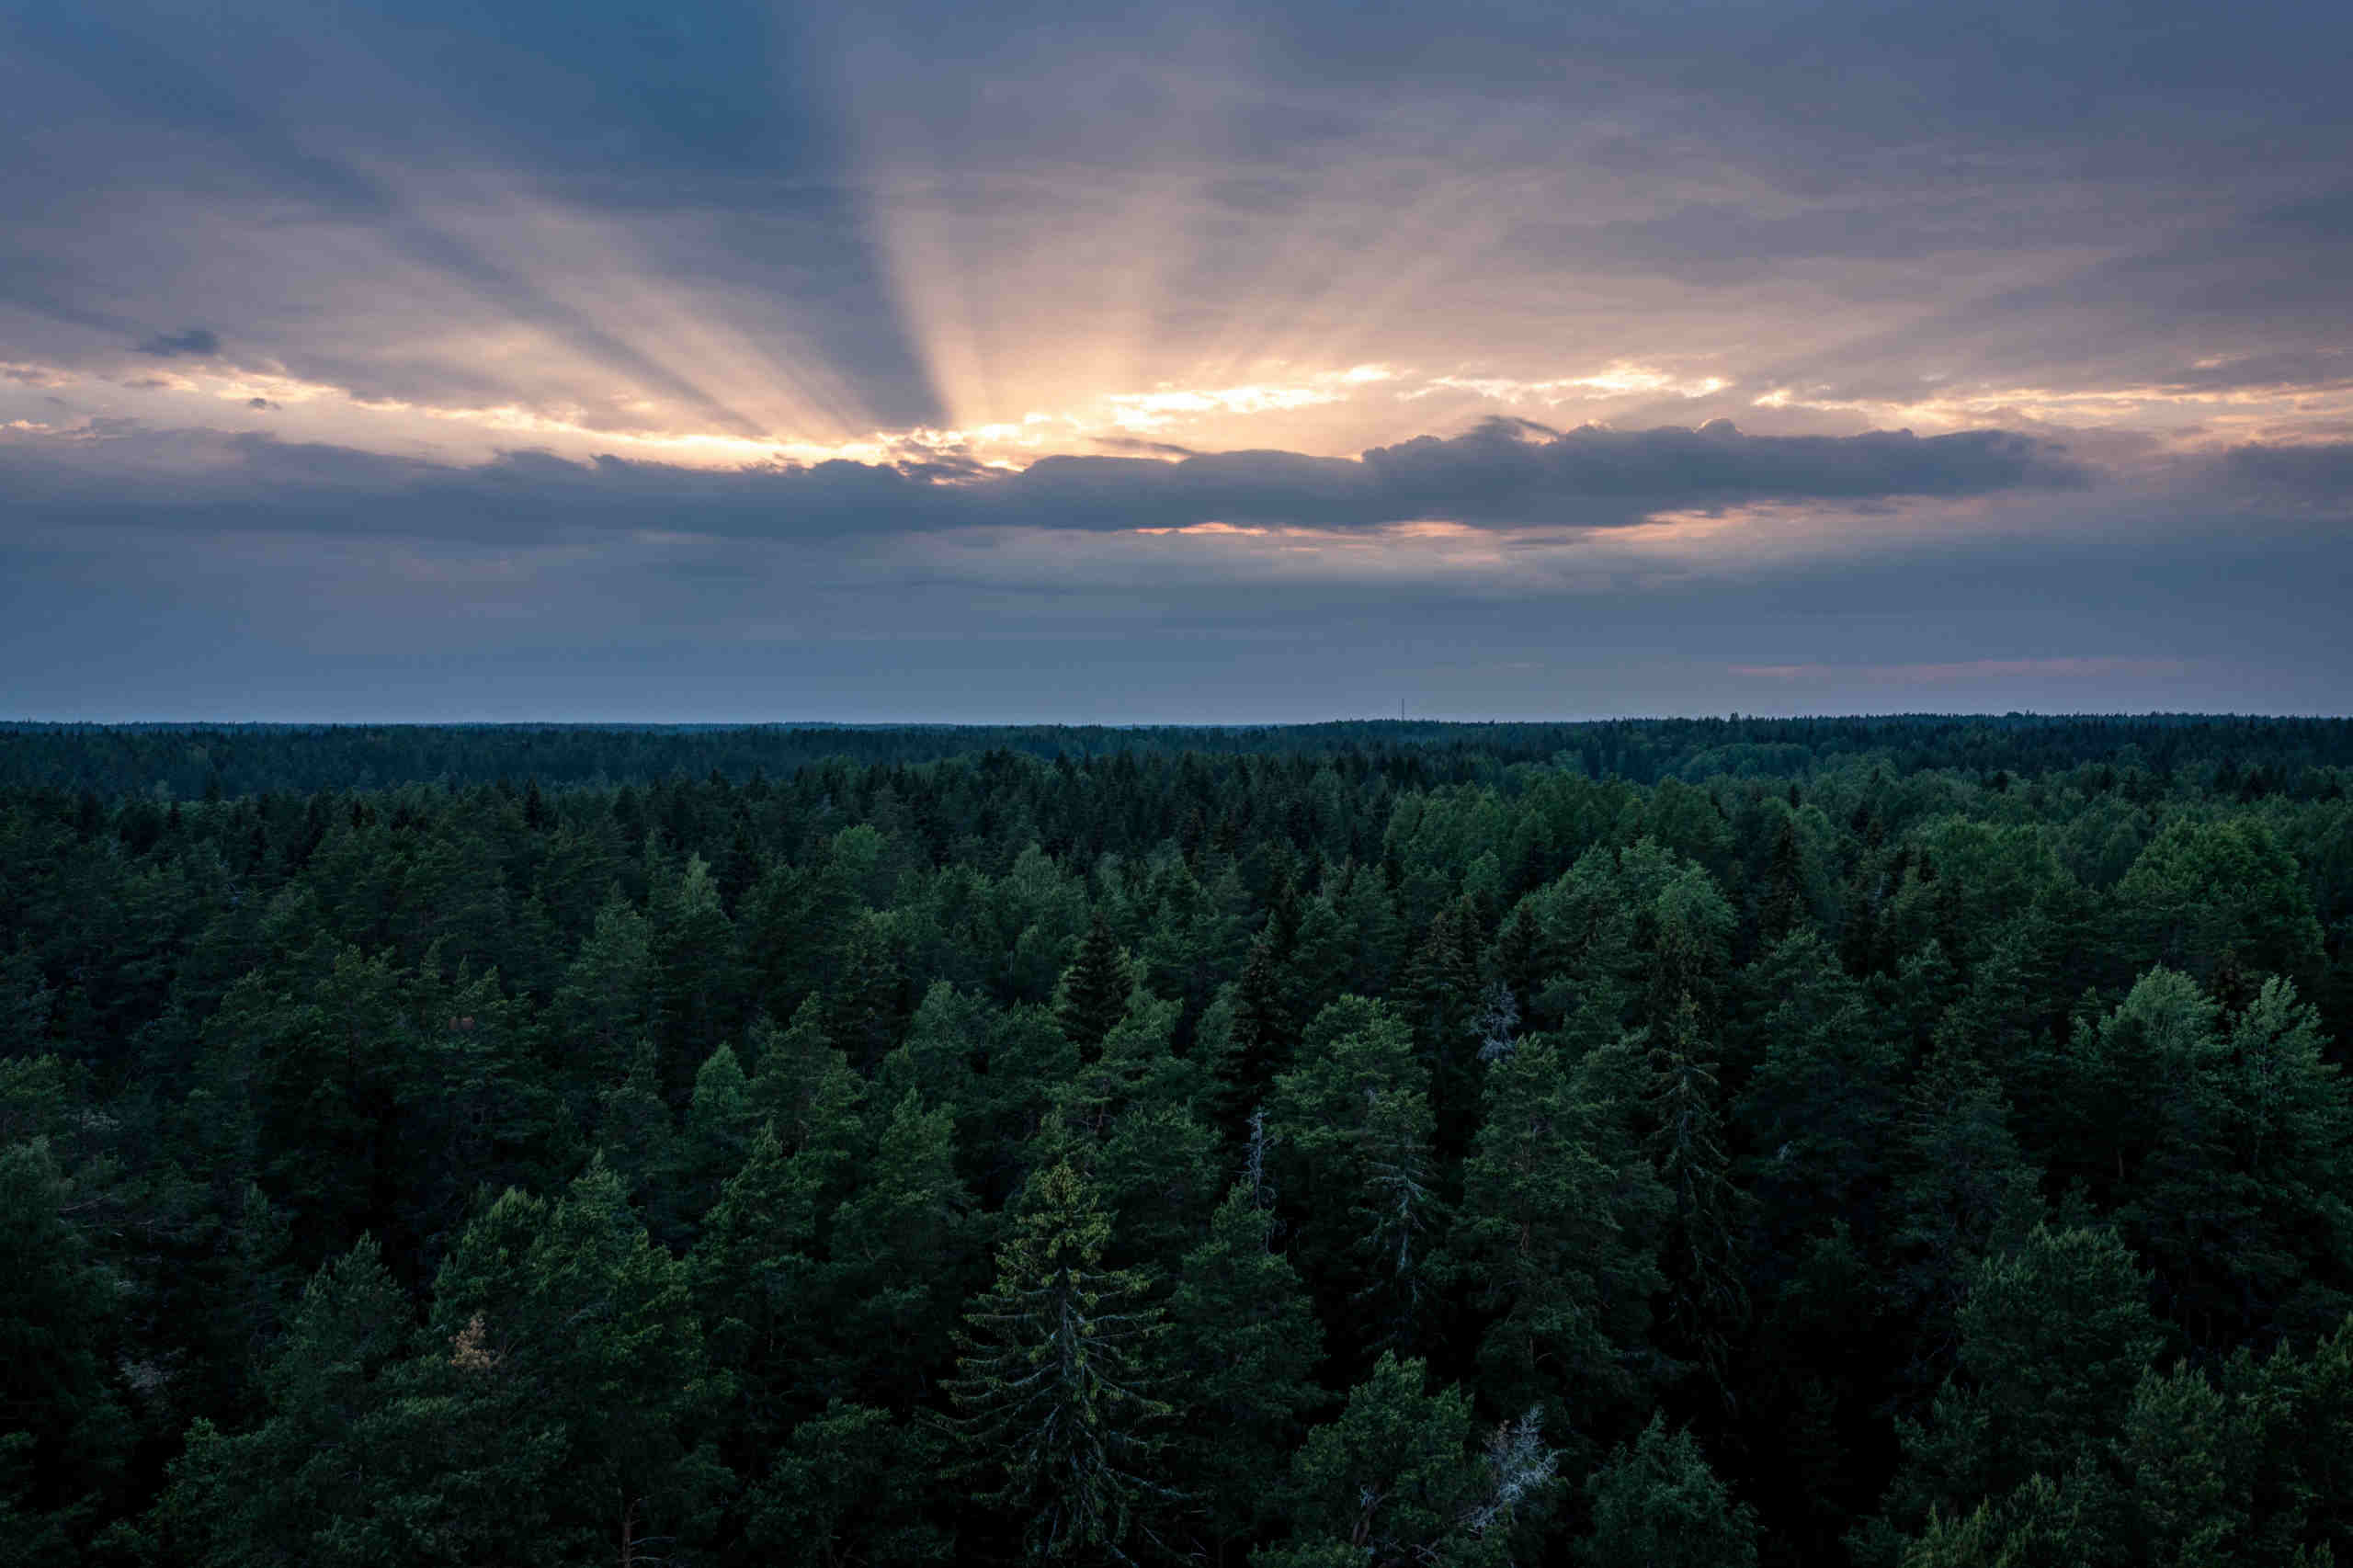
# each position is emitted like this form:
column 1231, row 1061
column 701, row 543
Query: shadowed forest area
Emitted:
column 1908, row 1142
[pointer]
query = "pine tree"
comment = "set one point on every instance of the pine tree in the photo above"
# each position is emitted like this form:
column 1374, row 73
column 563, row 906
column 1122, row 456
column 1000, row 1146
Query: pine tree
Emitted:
column 1355, row 1121
column 64, row 1435
column 1783, row 906
column 308, row 1483
column 1400, row 1479
column 560, row 1403
column 719, row 1123
column 904, row 1244
column 1657, row 1502
column 692, row 949
column 1056, row 1406
column 852, row 1486
column 1556, row 1242
column 1242, row 1350
column 2054, row 1338
column 1399, row 1218
column 1821, row 1104
column 760, row 1276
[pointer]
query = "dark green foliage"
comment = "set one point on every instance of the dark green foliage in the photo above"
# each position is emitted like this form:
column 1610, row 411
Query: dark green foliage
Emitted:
column 1561, row 1242
column 1707, row 1299
column 1804, row 1141
column 1656, row 1502
column 1400, row 1477
column 1241, row 1355
column 1094, row 990
column 297, row 1488
column 852, row 1486
column 2054, row 1337
column 64, row 1436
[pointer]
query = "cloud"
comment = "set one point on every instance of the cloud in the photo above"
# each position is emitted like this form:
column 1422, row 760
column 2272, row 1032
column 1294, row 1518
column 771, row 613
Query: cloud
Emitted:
column 2318, row 474
column 2291, row 368
column 1502, row 475
column 195, row 342
column 1498, row 473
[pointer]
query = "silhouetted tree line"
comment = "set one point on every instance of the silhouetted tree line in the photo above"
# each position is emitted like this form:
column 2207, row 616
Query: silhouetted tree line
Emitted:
column 194, row 762
column 1908, row 1142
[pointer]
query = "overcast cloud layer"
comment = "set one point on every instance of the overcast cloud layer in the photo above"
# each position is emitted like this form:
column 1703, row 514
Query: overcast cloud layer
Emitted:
column 915, row 361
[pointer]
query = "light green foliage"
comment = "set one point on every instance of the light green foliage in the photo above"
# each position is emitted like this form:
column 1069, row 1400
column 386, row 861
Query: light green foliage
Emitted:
column 2204, row 889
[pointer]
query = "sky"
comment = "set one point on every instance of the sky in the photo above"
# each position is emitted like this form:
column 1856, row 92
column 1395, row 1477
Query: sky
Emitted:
column 514, row 359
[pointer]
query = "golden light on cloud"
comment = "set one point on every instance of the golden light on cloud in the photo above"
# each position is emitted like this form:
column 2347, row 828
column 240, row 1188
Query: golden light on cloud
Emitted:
column 2159, row 408
column 1620, row 379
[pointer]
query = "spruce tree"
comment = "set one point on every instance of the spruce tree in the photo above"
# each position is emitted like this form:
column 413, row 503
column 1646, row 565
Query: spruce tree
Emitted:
column 1707, row 1300
column 1258, row 1040
column 1094, row 990
column 1056, row 1404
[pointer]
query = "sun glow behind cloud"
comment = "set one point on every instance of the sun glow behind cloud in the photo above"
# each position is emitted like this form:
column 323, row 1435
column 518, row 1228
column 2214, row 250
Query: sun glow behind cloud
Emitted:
column 1151, row 253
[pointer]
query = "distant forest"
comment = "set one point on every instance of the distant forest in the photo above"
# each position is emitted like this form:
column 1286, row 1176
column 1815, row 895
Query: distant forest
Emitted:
column 1911, row 1143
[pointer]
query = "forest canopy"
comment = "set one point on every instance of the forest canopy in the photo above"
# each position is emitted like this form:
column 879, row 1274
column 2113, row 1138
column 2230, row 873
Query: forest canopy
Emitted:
column 1906, row 1143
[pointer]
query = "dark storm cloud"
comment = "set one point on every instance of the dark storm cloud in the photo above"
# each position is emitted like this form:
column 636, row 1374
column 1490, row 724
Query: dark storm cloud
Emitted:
column 1504, row 474
column 195, row 342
